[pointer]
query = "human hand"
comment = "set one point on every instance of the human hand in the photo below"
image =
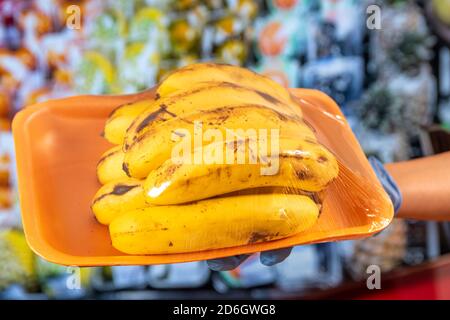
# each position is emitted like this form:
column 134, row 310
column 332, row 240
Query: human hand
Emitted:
column 272, row 257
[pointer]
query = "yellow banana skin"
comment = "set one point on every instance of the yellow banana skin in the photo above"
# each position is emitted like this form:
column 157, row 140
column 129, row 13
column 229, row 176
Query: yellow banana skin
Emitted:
column 156, row 145
column 117, row 198
column 186, row 77
column 206, row 97
column 121, row 118
column 109, row 167
column 212, row 224
column 303, row 165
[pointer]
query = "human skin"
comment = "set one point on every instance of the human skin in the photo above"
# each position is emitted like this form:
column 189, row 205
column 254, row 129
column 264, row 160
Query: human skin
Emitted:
column 425, row 187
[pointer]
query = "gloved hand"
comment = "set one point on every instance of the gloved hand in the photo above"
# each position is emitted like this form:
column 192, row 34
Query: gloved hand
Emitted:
column 270, row 258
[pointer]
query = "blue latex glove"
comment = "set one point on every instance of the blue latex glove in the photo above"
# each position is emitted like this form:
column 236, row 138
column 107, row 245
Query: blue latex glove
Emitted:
column 269, row 258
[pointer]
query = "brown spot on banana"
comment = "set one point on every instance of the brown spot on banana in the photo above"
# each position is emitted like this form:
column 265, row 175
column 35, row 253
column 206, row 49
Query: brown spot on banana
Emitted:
column 304, row 174
column 167, row 174
column 268, row 97
column 121, row 189
column 171, row 170
column 118, row 190
column 152, row 116
column 310, row 141
column 187, row 121
column 228, row 171
column 261, row 236
column 126, row 169
column 289, row 156
column 309, row 125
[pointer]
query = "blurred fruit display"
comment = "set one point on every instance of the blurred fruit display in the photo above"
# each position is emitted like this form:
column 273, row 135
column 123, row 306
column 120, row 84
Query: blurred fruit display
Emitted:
column 400, row 57
column 440, row 7
column 7, row 189
column 141, row 43
column 18, row 264
column 121, row 46
column 386, row 250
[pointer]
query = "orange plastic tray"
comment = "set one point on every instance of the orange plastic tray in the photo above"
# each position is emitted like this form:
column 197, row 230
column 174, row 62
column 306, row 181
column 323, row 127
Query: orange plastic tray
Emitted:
column 58, row 144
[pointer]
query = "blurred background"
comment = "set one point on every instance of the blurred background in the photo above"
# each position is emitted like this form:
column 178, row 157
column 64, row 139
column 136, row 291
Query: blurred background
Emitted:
column 388, row 67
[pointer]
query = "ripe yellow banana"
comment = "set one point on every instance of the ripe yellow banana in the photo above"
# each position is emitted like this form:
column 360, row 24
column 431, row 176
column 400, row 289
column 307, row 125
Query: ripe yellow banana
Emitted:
column 179, row 204
column 117, row 198
column 301, row 164
column 206, row 97
column 109, row 168
column 212, row 224
column 121, row 118
column 317, row 197
column 184, row 78
column 156, row 145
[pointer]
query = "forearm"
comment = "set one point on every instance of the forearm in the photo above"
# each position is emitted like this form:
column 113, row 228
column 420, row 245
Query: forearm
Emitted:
column 425, row 187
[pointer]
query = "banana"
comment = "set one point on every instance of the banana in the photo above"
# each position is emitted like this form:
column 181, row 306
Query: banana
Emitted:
column 317, row 197
column 264, row 193
column 192, row 77
column 207, row 96
column 212, row 224
column 109, row 167
column 117, row 198
column 302, row 164
column 156, row 145
column 121, row 118
column 186, row 77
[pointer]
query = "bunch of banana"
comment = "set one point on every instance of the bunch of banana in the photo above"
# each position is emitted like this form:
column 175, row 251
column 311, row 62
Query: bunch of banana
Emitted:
column 176, row 173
